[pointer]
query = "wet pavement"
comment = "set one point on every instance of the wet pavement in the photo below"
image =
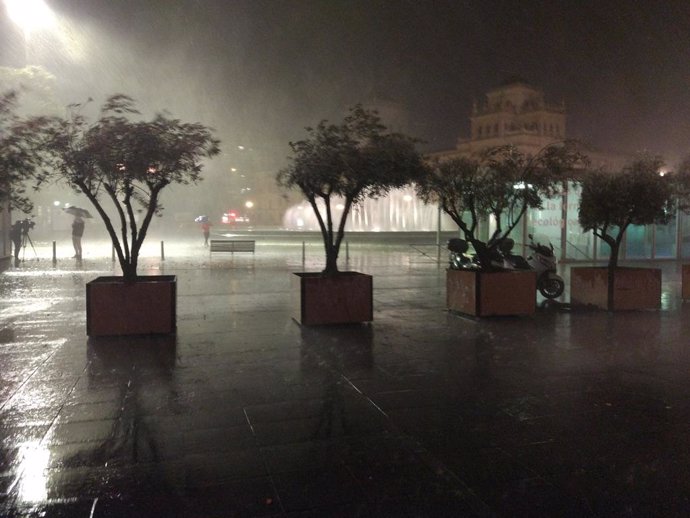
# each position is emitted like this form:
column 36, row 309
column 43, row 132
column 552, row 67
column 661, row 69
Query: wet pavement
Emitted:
column 420, row 413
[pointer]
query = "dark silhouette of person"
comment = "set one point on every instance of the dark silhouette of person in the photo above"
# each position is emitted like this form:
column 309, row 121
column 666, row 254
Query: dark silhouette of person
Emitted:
column 206, row 229
column 16, row 237
column 77, row 233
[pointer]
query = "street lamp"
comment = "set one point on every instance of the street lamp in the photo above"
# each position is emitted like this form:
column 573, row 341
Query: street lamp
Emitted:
column 29, row 15
column 249, row 206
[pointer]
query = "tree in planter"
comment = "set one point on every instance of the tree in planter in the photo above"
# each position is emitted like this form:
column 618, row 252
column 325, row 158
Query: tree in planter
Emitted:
column 20, row 160
column 349, row 162
column 501, row 182
column 611, row 202
column 128, row 162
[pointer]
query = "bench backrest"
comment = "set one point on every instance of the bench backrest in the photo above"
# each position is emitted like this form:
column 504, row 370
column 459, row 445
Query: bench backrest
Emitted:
column 228, row 245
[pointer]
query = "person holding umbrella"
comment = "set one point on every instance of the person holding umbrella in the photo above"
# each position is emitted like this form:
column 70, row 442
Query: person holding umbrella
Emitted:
column 77, row 233
column 205, row 227
column 77, row 228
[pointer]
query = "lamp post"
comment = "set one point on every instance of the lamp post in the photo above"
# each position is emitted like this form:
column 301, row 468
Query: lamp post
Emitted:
column 249, row 205
column 29, row 15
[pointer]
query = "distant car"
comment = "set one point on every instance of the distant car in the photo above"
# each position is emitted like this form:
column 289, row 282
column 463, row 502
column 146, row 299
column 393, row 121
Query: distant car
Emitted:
column 233, row 217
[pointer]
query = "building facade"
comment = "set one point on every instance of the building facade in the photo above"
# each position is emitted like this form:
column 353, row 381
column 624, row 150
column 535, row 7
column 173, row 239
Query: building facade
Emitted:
column 518, row 114
column 515, row 113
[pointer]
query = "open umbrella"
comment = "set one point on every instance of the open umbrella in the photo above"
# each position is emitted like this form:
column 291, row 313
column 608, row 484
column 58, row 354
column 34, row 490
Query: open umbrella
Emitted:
column 201, row 219
column 78, row 211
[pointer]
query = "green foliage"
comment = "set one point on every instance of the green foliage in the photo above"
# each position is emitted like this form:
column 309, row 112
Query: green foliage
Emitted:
column 347, row 163
column 455, row 185
column 637, row 195
column 502, row 182
column 128, row 162
column 37, row 88
column 611, row 202
column 20, row 157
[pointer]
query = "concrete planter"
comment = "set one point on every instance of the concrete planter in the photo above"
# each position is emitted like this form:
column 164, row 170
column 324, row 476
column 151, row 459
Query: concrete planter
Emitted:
column 484, row 294
column 332, row 299
column 634, row 288
column 147, row 306
column 685, row 284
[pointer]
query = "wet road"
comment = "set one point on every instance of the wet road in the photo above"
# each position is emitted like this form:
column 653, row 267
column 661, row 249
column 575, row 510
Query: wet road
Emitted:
column 421, row 413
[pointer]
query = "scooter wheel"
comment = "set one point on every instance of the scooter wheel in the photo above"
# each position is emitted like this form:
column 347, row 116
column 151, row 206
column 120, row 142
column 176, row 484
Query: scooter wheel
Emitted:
column 551, row 288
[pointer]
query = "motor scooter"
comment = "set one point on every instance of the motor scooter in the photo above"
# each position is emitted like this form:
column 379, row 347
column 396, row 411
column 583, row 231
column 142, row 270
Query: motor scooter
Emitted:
column 458, row 259
column 542, row 260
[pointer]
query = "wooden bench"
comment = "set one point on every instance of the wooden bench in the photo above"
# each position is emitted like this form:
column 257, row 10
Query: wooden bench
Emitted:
column 231, row 245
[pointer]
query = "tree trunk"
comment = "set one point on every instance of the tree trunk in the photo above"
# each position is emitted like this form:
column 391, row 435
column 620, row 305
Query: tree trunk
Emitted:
column 129, row 270
column 483, row 254
column 611, row 277
column 331, row 260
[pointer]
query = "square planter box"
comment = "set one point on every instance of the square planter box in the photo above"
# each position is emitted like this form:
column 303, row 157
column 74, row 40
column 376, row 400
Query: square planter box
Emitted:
column 332, row 299
column 634, row 288
column 147, row 306
column 484, row 294
column 685, row 282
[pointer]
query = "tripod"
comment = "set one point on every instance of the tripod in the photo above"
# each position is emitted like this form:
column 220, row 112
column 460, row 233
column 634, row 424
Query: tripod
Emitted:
column 26, row 238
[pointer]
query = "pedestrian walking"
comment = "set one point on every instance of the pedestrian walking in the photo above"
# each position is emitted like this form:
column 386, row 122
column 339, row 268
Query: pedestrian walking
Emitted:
column 206, row 229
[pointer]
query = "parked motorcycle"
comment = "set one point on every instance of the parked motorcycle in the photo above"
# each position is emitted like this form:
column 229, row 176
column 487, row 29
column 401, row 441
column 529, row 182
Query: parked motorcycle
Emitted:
column 542, row 260
column 458, row 258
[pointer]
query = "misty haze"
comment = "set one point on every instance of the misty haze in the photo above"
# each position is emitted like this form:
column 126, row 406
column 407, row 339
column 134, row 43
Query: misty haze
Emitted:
column 500, row 329
column 258, row 72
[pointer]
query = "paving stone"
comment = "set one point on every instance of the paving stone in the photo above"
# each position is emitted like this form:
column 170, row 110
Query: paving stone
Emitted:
column 419, row 413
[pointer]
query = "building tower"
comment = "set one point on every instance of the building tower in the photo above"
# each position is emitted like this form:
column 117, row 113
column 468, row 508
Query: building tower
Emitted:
column 514, row 113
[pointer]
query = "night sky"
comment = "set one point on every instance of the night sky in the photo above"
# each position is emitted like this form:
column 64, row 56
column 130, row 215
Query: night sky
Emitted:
column 259, row 71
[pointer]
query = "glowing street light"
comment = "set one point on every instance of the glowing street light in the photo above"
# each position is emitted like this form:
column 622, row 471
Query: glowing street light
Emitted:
column 30, row 16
